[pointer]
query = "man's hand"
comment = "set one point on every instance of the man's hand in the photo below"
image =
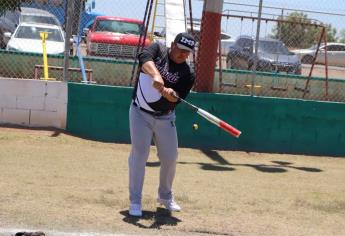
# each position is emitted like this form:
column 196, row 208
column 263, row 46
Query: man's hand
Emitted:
column 169, row 94
column 158, row 82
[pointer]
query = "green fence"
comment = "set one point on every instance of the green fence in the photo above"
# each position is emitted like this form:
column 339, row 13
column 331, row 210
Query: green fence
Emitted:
column 267, row 124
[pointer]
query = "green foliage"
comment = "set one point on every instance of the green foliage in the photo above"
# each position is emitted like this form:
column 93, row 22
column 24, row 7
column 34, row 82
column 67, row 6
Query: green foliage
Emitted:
column 298, row 34
column 331, row 34
column 342, row 36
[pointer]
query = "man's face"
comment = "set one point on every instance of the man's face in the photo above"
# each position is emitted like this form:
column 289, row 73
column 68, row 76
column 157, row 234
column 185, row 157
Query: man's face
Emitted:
column 178, row 55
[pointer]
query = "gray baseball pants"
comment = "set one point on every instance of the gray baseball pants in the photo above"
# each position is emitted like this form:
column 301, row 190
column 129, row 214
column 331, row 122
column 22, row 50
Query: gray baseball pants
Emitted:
column 143, row 128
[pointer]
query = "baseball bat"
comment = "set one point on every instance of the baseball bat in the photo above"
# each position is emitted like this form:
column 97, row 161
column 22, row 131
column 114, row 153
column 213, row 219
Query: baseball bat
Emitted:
column 213, row 119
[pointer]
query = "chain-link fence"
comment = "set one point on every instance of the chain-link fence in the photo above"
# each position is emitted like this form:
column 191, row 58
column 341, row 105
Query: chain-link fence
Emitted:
column 102, row 39
column 283, row 51
column 298, row 53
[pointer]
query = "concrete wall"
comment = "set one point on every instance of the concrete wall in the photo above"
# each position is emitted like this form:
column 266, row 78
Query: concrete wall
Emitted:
column 33, row 103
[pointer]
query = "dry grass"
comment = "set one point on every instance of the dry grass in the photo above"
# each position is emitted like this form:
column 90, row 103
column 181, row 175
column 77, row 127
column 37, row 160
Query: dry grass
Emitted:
column 53, row 181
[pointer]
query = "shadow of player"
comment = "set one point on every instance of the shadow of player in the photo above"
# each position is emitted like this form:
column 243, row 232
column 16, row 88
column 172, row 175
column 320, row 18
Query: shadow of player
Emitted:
column 161, row 217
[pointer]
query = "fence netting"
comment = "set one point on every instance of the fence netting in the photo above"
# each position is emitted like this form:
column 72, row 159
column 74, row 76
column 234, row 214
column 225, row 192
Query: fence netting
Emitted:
column 294, row 51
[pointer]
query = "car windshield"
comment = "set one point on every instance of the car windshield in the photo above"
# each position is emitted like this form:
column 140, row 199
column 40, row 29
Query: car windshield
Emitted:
column 117, row 27
column 39, row 19
column 33, row 32
column 273, row 47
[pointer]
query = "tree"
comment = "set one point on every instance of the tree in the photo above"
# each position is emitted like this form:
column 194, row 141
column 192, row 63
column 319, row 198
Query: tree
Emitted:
column 342, row 36
column 297, row 33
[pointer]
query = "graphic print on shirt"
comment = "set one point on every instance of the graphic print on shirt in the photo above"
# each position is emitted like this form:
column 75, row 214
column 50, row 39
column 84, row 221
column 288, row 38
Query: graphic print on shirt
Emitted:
column 163, row 69
column 175, row 76
column 147, row 96
column 146, row 93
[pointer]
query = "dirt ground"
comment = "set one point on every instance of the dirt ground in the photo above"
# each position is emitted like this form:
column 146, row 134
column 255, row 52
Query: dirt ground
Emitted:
column 334, row 72
column 54, row 182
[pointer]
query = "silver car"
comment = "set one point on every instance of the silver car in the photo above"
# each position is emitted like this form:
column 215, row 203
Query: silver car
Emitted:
column 335, row 54
column 273, row 56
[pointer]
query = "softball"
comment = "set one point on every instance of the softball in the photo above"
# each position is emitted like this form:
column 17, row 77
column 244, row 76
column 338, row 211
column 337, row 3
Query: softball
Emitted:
column 195, row 126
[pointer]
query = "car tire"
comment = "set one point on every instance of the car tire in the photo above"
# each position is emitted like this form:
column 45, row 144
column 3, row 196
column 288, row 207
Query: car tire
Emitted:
column 298, row 72
column 308, row 59
column 266, row 68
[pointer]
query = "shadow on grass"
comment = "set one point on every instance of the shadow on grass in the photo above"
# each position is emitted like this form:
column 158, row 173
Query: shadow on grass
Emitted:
column 55, row 132
column 153, row 164
column 161, row 217
column 204, row 166
column 223, row 165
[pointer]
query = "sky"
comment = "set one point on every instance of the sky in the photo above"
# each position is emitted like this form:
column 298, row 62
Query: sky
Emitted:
column 234, row 26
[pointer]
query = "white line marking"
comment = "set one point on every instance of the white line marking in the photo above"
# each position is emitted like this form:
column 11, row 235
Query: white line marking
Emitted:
column 13, row 231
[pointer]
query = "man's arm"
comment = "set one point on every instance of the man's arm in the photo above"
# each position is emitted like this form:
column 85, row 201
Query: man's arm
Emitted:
column 150, row 68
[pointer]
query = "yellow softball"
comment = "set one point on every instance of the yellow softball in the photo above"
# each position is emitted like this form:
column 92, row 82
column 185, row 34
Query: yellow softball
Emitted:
column 195, row 126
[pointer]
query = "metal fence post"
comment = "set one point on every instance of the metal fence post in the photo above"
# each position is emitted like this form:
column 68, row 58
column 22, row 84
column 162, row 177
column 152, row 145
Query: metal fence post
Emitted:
column 68, row 30
column 256, row 47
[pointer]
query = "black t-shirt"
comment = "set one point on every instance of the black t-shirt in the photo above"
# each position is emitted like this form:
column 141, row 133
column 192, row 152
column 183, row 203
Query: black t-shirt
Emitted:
column 179, row 77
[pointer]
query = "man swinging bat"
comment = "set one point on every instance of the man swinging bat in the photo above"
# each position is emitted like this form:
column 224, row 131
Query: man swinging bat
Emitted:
column 164, row 77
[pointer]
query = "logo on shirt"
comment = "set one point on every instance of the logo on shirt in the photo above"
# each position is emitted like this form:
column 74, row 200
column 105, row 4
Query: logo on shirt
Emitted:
column 164, row 71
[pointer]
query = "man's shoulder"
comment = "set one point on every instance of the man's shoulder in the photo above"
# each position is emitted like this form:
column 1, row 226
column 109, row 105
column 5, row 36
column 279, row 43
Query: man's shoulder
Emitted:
column 188, row 67
column 161, row 46
column 188, row 72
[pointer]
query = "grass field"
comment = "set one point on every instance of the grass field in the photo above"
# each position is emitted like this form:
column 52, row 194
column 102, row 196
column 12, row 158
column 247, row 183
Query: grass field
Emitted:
column 54, row 182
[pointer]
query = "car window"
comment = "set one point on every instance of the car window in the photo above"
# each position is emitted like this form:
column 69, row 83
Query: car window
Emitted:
column 244, row 42
column 39, row 19
column 274, row 47
column 331, row 48
column 117, row 26
column 33, row 32
column 335, row 48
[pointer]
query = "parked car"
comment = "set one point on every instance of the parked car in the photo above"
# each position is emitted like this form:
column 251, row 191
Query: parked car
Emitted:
column 114, row 37
column 26, row 38
column 226, row 44
column 273, row 56
column 10, row 20
column 335, row 54
column 225, row 39
column 34, row 15
column 8, row 24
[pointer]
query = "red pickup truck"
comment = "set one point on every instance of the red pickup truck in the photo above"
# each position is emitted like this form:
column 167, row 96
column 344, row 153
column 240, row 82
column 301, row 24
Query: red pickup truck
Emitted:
column 114, row 37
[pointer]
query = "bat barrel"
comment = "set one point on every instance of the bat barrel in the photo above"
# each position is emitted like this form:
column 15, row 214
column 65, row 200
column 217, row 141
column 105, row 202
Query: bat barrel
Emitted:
column 232, row 130
column 215, row 120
